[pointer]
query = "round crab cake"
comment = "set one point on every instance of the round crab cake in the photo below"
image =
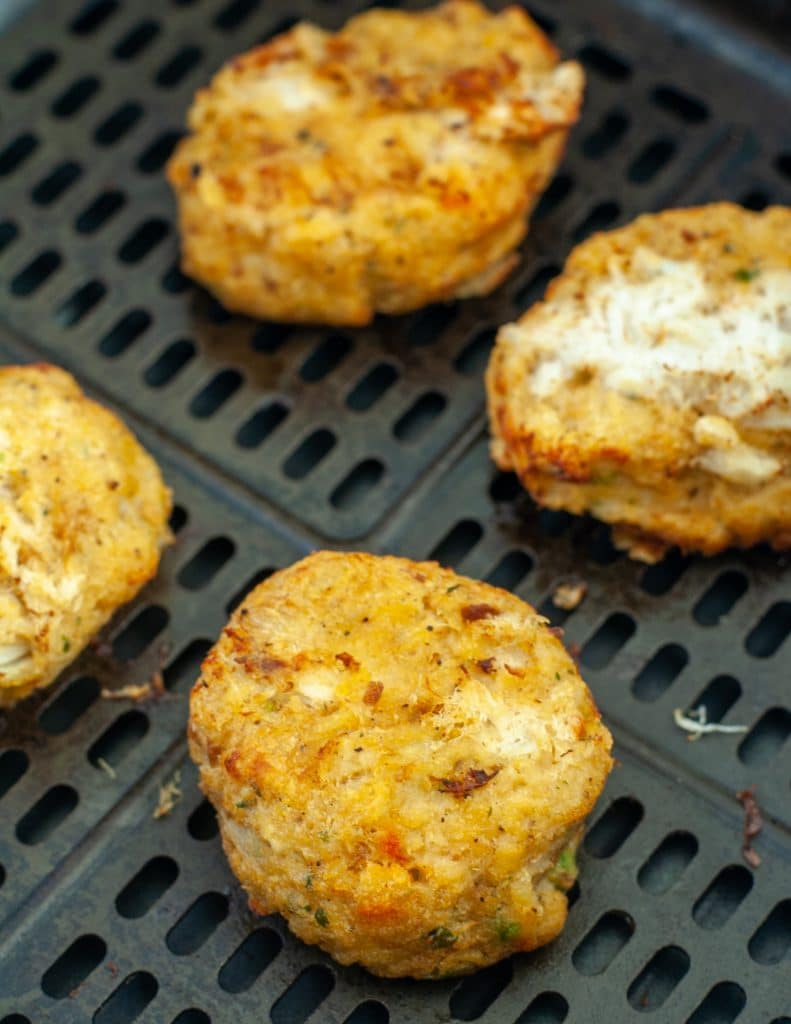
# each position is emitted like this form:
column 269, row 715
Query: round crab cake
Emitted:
column 83, row 518
column 328, row 177
column 401, row 760
column 652, row 386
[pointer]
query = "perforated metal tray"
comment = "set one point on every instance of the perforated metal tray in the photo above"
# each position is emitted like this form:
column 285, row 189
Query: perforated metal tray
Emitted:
column 279, row 440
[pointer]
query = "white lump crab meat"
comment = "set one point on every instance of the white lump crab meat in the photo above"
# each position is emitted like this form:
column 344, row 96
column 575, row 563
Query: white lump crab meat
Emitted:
column 652, row 386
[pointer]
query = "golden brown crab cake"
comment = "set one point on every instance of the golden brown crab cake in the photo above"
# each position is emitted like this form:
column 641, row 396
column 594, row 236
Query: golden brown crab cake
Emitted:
column 401, row 759
column 328, row 177
column 652, row 386
column 83, row 519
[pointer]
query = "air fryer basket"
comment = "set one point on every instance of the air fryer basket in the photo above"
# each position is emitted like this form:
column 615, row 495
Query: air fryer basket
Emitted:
column 278, row 440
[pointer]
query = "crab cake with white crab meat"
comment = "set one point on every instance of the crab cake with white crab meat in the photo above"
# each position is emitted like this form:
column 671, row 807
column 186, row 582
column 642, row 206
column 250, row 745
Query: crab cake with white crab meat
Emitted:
column 401, row 760
column 328, row 177
column 652, row 386
column 83, row 519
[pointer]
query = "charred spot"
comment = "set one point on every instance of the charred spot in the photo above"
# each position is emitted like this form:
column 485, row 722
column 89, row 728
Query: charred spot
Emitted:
column 486, row 665
column 267, row 147
column 379, row 912
column 689, row 236
column 452, row 199
column 373, row 692
column 473, row 83
column 338, row 47
column 279, row 50
column 232, row 763
column 360, row 856
column 113, row 485
column 385, row 86
column 390, row 847
column 236, row 639
column 614, row 455
column 269, row 664
column 510, row 66
column 473, row 778
column 232, row 187
column 569, row 474
column 474, row 612
column 213, row 751
column 328, row 747
column 347, row 660
column 196, row 170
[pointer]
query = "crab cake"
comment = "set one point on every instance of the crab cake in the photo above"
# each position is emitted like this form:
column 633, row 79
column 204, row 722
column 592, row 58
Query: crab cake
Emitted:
column 83, row 518
column 401, row 759
column 652, row 386
column 328, row 177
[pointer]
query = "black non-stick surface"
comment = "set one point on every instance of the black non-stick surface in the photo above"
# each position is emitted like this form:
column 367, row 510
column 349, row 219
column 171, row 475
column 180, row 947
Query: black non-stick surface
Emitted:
column 107, row 914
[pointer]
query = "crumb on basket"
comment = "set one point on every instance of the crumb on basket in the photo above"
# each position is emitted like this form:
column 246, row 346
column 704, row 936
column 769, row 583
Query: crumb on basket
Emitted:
column 154, row 688
column 695, row 723
column 106, row 768
column 753, row 823
column 169, row 796
column 569, row 596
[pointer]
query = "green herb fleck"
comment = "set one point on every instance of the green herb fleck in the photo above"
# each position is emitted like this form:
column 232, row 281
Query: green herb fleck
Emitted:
column 605, row 477
column 454, row 587
column 564, row 873
column 442, row 937
column 746, row 273
column 557, row 675
column 309, row 882
column 271, row 705
column 324, row 836
column 66, row 644
column 507, row 931
column 244, row 804
column 321, row 917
